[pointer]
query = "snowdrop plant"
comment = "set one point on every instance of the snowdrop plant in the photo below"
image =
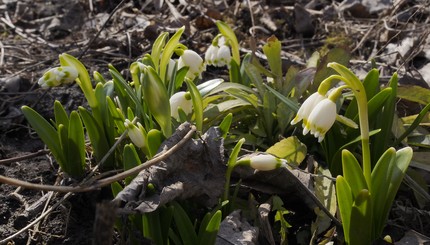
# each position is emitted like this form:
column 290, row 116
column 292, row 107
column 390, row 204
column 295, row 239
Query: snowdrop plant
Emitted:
column 364, row 195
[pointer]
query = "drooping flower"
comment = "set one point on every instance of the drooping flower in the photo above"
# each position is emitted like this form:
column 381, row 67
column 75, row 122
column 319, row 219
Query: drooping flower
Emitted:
column 218, row 53
column 306, row 109
column 211, row 54
column 194, row 62
column 180, row 100
column 321, row 119
column 137, row 133
column 224, row 55
column 57, row 76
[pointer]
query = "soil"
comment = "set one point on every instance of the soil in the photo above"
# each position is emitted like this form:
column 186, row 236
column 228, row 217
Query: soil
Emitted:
column 34, row 33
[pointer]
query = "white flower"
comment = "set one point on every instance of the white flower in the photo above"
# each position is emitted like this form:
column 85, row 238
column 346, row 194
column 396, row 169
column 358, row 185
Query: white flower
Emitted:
column 180, row 100
column 57, row 76
column 223, row 56
column 265, row 162
column 137, row 134
column 194, row 62
column 211, row 54
column 306, row 109
column 321, row 119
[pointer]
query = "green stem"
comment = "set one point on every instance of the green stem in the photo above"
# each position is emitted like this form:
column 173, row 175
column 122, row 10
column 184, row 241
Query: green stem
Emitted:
column 227, row 182
column 360, row 94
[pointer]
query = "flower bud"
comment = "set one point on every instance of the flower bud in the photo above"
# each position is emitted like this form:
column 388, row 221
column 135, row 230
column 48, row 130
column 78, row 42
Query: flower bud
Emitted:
column 137, row 134
column 57, row 76
column 262, row 162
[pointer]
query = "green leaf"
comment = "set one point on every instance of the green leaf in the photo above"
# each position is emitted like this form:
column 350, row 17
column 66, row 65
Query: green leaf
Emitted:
column 360, row 230
column 116, row 188
column 290, row 103
column 353, row 173
column 208, row 236
column 234, row 72
column 64, row 143
column 158, row 102
column 152, row 227
column 155, row 138
column 272, row 50
column 179, row 79
column 184, row 225
column 414, row 124
column 243, row 95
column 167, row 53
column 46, row 132
column 234, row 153
column 224, row 126
column 157, row 48
column 381, row 176
column 116, row 114
column 95, row 133
column 76, row 146
column 290, row 149
column 127, row 96
column 385, row 122
column 166, row 217
column 197, row 104
column 130, row 159
column 415, row 94
column 398, row 171
column 60, row 114
column 256, row 78
column 345, row 201
column 107, row 120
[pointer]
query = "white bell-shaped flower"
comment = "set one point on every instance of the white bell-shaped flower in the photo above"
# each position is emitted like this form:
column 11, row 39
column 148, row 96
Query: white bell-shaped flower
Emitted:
column 180, row 100
column 224, row 56
column 57, row 76
column 306, row 109
column 136, row 134
column 211, row 54
column 321, row 118
column 194, row 62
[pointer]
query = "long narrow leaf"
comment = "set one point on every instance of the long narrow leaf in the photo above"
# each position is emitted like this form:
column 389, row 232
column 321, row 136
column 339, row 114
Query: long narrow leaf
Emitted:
column 46, row 132
column 197, row 104
column 131, row 159
column 210, row 233
column 184, row 225
column 60, row 115
column 381, row 176
column 158, row 102
column 97, row 139
column 168, row 51
column 353, row 173
column 361, row 216
column 76, row 146
column 345, row 200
